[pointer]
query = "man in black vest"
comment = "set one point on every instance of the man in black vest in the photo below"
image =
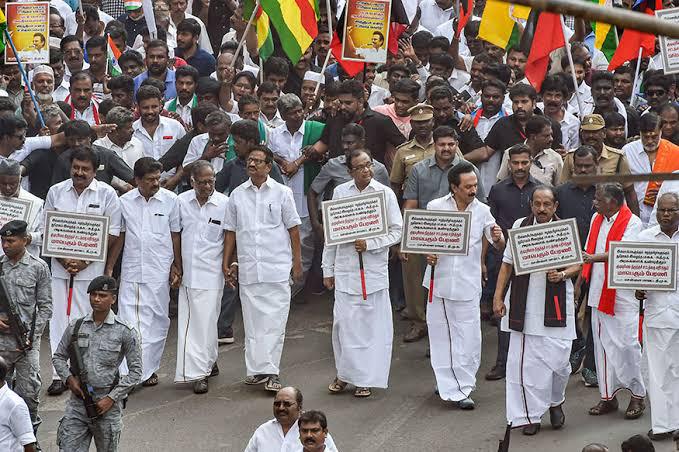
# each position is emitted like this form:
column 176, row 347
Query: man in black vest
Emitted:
column 541, row 323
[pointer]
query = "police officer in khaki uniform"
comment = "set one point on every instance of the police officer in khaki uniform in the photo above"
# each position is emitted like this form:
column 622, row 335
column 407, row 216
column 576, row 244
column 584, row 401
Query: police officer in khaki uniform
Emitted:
column 412, row 265
column 26, row 280
column 103, row 340
column 611, row 161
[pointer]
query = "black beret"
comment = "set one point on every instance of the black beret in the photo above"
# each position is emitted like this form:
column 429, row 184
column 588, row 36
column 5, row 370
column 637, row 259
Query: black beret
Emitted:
column 103, row 284
column 14, row 228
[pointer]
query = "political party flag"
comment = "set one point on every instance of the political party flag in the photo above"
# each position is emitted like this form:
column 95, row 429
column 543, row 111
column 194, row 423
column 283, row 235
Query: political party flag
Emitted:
column 296, row 24
column 542, row 35
column 113, row 55
column 263, row 27
column 498, row 26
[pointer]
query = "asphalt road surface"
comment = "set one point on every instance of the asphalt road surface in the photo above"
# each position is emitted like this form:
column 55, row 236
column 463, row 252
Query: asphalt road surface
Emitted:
column 406, row 417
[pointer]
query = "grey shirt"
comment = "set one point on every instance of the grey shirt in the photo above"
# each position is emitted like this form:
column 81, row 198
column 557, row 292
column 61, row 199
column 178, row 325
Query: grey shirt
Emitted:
column 28, row 284
column 335, row 172
column 103, row 348
column 428, row 181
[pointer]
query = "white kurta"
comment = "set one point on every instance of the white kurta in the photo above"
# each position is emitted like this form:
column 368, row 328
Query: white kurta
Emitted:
column 202, row 284
column 97, row 199
column 617, row 351
column 261, row 218
column 269, row 437
column 639, row 164
column 453, row 316
column 362, row 330
column 661, row 348
column 144, row 297
column 538, row 364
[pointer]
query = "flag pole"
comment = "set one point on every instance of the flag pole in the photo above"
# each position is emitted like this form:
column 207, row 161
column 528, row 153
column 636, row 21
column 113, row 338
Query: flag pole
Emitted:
column 25, row 78
column 431, row 283
column 570, row 63
column 327, row 56
column 361, row 270
column 245, row 33
column 633, row 102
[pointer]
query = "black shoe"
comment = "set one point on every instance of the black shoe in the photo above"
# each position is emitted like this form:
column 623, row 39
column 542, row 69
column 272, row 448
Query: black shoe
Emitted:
column 215, row 370
column 56, row 388
column 531, row 429
column 496, row 373
column 576, row 360
column 200, row 387
column 659, row 436
column 556, row 417
column 227, row 338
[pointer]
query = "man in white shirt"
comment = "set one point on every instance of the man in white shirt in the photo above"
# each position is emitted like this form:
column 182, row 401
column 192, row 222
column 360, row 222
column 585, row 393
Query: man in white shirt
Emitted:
column 121, row 140
column 262, row 219
column 10, row 187
column 201, row 212
column 16, row 429
column 554, row 95
column 82, row 193
column 186, row 82
column 539, row 313
column 454, row 316
column 362, row 330
column 211, row 146
column 661, row 330
column 285, row 141
column 433, row 13
column 156, row 133
column 282, row 434
column 151, row 260
column 81, row 99
column 615, row 313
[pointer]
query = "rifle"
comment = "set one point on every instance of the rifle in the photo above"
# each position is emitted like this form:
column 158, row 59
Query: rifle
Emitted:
column 17, row 326
column 78, row 370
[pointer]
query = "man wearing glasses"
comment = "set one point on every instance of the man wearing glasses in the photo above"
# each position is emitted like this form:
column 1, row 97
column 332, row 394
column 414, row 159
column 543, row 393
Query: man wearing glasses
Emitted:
column 262, row 219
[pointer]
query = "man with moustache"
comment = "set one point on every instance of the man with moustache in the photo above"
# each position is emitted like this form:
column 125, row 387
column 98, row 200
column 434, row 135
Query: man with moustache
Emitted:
column 60, row 83
column 623, row 78
column 609, row 160
column 82, row 193
column 605, row 102
column 313, row 432
column 188, row 34
column 615, row 130
column 538, row 311
column 157, row 60
column 282, row 434
column 554, row 97
column 74, row 57
column 186, row 82
column 657, row 91
column 441, row 99
column 81, row 99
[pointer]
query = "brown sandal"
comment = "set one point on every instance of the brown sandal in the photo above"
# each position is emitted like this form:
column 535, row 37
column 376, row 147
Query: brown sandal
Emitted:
column 362, row 392
column 635, row 408
column 152, row 380
column 337, row 386
column 604, row 407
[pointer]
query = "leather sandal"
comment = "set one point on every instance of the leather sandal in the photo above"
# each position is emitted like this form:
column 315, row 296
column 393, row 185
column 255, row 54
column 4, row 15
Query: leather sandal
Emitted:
column 635, row 408
column 604, row 407
column 337, row 386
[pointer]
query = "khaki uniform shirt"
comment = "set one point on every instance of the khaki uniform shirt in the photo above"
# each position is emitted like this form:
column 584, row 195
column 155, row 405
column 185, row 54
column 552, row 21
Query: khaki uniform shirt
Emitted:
column 611, row 161
column 407, row 155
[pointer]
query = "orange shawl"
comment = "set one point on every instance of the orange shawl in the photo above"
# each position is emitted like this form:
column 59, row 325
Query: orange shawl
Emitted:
column 666, row 161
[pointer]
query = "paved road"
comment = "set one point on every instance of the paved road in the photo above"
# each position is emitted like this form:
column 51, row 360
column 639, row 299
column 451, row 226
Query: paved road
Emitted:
column 406, row 417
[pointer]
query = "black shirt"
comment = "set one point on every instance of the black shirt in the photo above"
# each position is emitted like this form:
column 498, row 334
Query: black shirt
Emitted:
column 235, row 172
column 132, row 27
column 632, row 120
column 508, row 202
column 39, row 166
column 201, row 60
column 175, row 155
column 578, row 204
column 507, row 132
column 109, row 165
column 469, row 140
column 379, row 131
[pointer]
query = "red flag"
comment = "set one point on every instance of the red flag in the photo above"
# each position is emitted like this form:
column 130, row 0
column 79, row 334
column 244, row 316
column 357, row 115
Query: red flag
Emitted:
column 547, row 37
column 633, row 40
column 466, row 8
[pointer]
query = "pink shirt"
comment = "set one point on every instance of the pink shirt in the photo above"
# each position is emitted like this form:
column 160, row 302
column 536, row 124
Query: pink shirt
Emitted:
column 402, row 123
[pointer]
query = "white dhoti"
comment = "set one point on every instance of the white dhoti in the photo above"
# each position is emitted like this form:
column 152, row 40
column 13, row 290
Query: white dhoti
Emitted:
column 80, row 306
column 145, row 306
column 661, row 358
column 197, row 345
column 265, row 309
column 362, row 337
column 617, row 353
column 455, row 341
column 538, row 368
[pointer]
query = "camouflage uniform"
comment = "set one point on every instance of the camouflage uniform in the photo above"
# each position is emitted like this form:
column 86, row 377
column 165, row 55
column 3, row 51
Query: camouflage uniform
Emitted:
column 28, row 285
column 103, row 348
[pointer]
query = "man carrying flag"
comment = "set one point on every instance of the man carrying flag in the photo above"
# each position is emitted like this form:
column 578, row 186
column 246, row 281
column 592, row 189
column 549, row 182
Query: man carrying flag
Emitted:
column 113, row 53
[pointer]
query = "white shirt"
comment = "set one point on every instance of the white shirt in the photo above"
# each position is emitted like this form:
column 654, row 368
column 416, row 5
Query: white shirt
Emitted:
column 196, row 149
column 341, row 261
column 261, row 218
column 184, row 111
column 67, row 71
column 97, row 199
column 432, row 15
column 31, row 144
column 35, row 221
column 459, row 277
column 570, row 129
column 624, row 299
column 269, row 438
column 459, row 79
column 148, row 225
column 668, row 186
column 132, row 151
column 585, row 93
column 166, row 134
column 661, row 307
column 589, row 108
column 289, row 146
column 377, row 95
column 62, row 91
column 16, row 429
column 640, row 164
column 489, row 169
column 372, row 54
column 271, row 123
column 202, row 239
column 535, row 303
